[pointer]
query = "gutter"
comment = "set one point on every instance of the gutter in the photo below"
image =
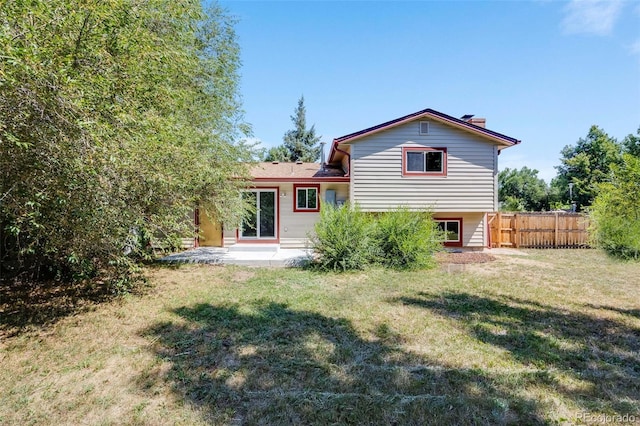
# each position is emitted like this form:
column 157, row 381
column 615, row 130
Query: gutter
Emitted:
column 348, row 159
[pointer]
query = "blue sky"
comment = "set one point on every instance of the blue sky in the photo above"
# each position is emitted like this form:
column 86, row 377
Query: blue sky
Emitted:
column 539, row 71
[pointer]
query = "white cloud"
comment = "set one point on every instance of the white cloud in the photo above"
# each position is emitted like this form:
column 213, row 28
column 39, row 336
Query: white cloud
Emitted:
column 591, row 16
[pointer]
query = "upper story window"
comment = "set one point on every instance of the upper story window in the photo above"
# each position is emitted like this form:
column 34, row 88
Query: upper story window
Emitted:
column 424, row 161
column 306, row 198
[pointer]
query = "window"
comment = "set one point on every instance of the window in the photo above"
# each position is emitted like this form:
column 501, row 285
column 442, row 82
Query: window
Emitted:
column 424, row 127
column 424, row 161
column 452, row 229
column 306, row 198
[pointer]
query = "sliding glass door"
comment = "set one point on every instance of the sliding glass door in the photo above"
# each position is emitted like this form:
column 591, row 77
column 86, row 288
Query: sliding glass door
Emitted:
column 262, row 223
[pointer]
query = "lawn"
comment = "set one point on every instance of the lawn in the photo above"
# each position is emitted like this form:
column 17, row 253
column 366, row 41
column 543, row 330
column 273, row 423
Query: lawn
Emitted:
column 551, row 337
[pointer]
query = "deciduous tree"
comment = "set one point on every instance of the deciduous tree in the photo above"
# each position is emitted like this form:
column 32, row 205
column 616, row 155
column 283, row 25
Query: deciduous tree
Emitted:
column 522, row 190
column 631, row 144
column 616, row 210
column 585, row 165
column 116, row 117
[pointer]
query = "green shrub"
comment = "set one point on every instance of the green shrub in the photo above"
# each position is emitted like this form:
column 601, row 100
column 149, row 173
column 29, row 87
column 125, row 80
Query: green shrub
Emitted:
column 615, row 212
column 348, row 239
column 407, row 239
column 343, row 238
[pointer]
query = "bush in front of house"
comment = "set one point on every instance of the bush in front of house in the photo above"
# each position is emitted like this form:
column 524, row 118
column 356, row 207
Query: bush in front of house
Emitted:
column 348, row 239
column 616, row 211
column 406, row 239
column 343, row 239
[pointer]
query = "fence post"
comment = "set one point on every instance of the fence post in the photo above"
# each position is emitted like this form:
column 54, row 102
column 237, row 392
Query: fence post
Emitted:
column 555, row 232
column 516, row 228
column 499, row 228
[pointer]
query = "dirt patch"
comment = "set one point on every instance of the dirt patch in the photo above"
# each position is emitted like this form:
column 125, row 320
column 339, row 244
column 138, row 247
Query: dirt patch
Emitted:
column 464, row 258
column 519, row 260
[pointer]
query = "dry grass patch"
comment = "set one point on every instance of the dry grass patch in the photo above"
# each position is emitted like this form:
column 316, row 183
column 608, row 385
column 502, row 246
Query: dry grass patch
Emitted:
column 513, row 341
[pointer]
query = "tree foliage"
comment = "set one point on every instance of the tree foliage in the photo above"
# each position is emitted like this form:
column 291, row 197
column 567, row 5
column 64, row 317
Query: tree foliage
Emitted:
column 116, row 118
column 586, row 164
column 278, row 153
column 522, row 190
column 631, row 144
column 616, row 210
column 300, row 143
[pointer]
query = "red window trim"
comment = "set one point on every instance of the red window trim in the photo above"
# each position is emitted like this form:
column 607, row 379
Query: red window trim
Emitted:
column 251, row 240
column 316, row 186
column 407, row 173
column 460, row 234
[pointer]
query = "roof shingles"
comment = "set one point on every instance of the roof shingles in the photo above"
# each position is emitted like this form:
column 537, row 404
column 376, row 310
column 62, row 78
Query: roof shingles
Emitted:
column 295, row 171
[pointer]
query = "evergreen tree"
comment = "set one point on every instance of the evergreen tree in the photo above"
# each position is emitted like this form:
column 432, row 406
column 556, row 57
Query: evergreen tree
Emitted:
column 300, row 143
column 278, row 153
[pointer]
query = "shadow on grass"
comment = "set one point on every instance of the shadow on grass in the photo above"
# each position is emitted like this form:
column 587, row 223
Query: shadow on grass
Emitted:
column 601, row 353
column 630, row 312
column 24, row 305
column 264, row 363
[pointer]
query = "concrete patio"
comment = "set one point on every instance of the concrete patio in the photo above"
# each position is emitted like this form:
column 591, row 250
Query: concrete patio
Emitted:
column 270, row 255
column 247, row 255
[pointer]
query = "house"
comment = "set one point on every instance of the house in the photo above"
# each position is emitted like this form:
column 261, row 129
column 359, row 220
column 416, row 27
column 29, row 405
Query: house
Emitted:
column 424, row 160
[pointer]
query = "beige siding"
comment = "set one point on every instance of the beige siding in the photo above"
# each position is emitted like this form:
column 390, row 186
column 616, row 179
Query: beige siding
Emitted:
column 294, row 226
column 378, row 184
column 188, row 243
column 229, row 237
column 342, row 191
column 345, row 163
column 474, row 228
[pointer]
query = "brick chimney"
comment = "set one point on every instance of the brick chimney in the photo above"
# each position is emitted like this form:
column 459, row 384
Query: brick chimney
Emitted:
column 469, row 118
column 480, row 122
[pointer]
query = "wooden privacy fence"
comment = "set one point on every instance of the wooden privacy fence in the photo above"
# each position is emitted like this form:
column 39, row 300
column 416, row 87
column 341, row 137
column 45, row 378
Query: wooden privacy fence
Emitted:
column 539, row 230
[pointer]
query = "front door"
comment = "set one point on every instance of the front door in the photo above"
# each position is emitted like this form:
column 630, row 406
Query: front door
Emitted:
column 262, row 223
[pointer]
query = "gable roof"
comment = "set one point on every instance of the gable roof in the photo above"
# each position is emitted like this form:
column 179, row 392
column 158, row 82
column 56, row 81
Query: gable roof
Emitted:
column 298, row 172
column 425, row 113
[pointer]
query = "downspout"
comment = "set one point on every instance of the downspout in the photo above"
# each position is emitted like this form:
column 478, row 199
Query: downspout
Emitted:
column 486, row 220
column 348, row 159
